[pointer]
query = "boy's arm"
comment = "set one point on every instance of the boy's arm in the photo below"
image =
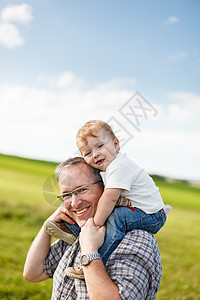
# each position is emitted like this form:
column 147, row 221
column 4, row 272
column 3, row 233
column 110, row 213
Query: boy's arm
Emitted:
column 106, row 205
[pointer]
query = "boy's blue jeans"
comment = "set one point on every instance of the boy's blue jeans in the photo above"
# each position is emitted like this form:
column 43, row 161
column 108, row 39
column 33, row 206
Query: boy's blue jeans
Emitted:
column 122, row 220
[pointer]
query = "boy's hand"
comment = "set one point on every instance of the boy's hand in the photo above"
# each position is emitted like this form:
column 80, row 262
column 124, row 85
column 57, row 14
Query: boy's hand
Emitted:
column 61, row 215
column 91, row 237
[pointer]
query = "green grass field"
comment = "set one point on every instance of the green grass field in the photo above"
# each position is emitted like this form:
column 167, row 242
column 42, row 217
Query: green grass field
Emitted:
column 23, row 209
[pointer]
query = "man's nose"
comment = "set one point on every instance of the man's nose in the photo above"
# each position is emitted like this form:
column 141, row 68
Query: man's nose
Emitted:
column 75, row 200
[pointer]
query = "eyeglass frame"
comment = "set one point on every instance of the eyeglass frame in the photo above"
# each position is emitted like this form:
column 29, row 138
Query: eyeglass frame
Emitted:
column 74, row 191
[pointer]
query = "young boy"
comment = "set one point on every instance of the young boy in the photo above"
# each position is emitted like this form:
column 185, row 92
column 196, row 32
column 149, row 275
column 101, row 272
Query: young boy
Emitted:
column 126, row 185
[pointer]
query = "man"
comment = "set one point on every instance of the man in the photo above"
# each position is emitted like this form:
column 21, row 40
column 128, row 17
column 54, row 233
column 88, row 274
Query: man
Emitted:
column 133, row 271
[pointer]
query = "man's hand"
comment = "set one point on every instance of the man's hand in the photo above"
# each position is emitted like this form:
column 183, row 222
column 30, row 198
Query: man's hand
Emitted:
column 99, row 284
column 61, row 215
column 91, row 237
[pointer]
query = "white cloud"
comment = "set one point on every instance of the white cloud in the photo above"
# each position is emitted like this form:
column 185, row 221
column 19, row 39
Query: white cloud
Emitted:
column 22, row 13
column 180, row 112
column 186, row 96
column 173, row 153
column 178, row 56
column 173, row 20
column 63, row 80
column 10, row 36
column 66, row 79
column 185, row 107
column 43, row 124
column 118, row 83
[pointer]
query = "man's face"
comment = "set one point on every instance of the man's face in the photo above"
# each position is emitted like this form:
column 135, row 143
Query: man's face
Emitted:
column 81, row 207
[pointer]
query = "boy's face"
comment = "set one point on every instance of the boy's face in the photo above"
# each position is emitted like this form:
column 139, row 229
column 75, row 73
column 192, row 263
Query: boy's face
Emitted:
column 99, row 151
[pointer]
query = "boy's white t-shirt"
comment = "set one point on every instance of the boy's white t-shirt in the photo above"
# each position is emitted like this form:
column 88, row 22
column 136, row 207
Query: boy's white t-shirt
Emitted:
column 137, row 185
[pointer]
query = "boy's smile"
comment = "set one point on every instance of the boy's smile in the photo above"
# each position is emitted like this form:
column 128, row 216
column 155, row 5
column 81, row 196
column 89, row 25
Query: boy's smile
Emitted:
column 100, row 150
column 100, row 161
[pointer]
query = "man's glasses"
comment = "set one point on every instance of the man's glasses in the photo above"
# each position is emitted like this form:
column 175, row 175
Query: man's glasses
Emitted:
column 79, row 191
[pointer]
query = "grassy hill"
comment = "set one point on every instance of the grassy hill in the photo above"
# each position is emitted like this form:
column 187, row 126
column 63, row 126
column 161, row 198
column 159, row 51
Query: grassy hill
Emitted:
column 27, row 198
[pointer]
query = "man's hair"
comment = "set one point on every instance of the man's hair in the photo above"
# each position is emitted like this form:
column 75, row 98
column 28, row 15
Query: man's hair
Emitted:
column 91, row 128
column 74, row 161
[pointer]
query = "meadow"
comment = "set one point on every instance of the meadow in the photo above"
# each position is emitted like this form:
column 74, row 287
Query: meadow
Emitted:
column 27, row 198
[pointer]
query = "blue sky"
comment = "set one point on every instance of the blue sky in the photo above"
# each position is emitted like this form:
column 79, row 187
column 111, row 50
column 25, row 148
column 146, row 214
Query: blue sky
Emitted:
column 65, row 62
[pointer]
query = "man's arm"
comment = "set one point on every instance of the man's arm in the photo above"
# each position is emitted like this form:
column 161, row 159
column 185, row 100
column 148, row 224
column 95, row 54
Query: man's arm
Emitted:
column 34, row 265
column 99, row 284
column 33, row 268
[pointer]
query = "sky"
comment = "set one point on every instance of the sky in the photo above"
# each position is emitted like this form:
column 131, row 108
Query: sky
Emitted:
column 134, row 64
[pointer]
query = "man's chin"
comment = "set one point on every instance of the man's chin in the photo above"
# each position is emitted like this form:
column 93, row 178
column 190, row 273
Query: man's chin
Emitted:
column 81, row 223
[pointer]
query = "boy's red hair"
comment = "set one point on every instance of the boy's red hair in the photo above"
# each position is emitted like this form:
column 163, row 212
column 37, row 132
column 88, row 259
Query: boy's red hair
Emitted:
column 91, row 128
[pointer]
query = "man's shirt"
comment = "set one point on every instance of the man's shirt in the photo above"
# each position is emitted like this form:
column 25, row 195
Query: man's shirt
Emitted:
column 135, row 267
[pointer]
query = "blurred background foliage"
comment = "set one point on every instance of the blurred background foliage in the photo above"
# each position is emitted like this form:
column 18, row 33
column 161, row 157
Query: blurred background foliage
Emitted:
column 27, row 197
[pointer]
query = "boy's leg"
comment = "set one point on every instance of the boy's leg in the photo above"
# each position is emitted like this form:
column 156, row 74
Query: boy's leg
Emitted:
column 153, row 222
column 125, row 219
column 115, row 231
column 75, row 229
column 62, row 230
column 121, row 220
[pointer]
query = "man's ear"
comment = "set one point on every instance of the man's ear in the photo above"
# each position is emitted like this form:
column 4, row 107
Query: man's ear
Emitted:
column 116, row 144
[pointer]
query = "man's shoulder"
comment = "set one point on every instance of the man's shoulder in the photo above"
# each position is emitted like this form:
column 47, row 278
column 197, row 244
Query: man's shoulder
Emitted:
column 135, row 266
column 138, row 242
column 140, row 235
